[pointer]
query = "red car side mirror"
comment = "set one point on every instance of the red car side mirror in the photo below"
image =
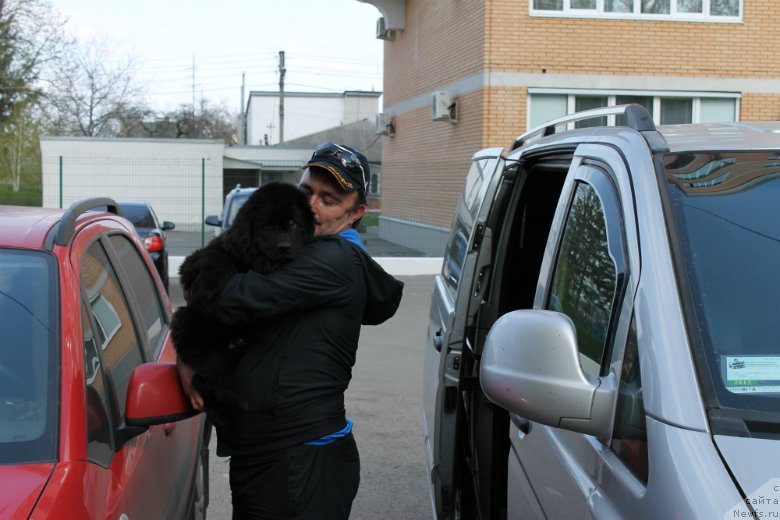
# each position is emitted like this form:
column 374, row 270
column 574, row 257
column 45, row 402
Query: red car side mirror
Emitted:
column 155, row 396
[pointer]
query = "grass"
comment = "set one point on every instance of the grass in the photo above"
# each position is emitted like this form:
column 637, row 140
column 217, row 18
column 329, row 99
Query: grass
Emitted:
column 23, row 197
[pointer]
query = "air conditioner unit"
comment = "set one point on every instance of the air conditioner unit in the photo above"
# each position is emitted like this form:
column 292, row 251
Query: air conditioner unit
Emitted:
column 382, row 32
column 444, row 108
column 385, row 125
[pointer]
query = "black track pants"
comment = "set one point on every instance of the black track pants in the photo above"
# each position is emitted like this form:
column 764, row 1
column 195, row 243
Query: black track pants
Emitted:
column 304, row 482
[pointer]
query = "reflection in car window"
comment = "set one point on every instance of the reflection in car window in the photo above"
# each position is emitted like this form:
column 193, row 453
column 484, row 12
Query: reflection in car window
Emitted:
column 477, row 182
column 29, row 353
column 726, row 210
column 99, row 446
column 121, row 354
column 142, row 285
column 629, row 440
column 584, row 281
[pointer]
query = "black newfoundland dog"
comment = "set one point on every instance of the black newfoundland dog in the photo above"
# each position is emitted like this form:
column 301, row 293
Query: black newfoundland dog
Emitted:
column 269, row 230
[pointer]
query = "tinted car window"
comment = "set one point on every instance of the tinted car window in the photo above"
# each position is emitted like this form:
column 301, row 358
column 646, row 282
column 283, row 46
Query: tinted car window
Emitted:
column 145, row 291
column 476, row 184
column 585, row 277
column 138, row 214
column 28, row 357
column 99, row 444
column 115, row 333
column 629, row 440
column 726, row 209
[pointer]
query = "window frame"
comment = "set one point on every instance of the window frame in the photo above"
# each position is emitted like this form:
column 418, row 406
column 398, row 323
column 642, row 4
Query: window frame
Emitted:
column 673, row 16
column 612, row 94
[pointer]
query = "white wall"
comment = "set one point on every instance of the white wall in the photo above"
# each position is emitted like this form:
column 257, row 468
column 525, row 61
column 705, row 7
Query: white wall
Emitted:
column 304, row 114
column 169, row 173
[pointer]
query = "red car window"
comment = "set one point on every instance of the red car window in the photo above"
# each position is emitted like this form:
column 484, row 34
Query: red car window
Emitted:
column 114, row 331
column 142, row 286
column 29, row 379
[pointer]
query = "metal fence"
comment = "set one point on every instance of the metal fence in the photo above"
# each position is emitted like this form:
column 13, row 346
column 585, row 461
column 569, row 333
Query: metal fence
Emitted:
column 185, row 191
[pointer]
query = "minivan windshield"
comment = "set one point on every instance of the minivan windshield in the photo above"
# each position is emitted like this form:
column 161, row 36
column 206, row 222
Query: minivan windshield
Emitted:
column 28, row 357
column 727, row 212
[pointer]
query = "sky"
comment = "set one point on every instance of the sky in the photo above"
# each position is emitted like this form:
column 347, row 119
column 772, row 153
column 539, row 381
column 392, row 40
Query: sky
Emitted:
column 329, row 45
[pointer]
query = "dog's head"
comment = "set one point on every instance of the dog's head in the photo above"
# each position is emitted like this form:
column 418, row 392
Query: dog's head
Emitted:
column 270, row 228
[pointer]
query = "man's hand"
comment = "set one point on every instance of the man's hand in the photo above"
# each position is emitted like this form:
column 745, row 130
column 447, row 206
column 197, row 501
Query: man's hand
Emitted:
column 186, row 374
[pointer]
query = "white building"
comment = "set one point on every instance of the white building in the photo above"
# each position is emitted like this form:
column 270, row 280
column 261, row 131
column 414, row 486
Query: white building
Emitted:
column 305, row 113
column 181, row 178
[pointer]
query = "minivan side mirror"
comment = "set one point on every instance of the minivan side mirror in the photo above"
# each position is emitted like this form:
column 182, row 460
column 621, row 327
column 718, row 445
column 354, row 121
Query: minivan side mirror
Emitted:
column 167, row 225
column 531, row 367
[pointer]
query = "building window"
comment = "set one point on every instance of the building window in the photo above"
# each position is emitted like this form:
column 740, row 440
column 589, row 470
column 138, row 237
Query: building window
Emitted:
column 688, row 10
column 666, row 108
column 374, row 184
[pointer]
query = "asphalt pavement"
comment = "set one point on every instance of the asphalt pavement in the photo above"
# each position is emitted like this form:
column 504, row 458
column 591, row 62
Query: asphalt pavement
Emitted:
column 384, row 401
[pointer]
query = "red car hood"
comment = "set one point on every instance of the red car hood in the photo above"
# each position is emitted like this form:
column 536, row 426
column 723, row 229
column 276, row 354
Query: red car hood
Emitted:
column 22, row 485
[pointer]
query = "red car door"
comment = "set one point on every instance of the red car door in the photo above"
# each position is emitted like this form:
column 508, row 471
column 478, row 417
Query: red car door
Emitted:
column 144, row 468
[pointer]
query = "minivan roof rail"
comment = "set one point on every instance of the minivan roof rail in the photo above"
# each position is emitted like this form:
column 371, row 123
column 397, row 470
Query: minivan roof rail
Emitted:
column 67, row 226
column 637, row 118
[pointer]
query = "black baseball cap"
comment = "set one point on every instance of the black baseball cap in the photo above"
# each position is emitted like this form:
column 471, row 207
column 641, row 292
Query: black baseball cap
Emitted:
column 348, row 166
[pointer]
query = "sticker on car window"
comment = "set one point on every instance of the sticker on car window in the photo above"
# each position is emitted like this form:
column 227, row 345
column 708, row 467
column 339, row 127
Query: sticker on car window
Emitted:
column 752, row 374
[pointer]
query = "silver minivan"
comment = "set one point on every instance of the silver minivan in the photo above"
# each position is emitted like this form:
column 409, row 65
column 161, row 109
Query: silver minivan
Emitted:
column 604, row 336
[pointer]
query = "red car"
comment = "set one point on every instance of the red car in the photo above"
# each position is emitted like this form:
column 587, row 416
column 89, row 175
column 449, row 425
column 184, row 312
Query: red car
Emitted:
column 93, row 421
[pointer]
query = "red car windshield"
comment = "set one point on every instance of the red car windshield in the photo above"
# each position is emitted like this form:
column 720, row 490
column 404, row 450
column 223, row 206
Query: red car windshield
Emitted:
column 28, row 357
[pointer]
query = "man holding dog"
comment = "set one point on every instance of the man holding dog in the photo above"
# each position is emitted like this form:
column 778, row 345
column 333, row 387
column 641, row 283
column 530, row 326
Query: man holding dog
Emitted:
column 292, row 452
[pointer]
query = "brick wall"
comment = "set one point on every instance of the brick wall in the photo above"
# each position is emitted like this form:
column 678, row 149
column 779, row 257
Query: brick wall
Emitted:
column 516, row 41
column 445, row 41
column 442, row 42
column 428, row 161
column 760, row 107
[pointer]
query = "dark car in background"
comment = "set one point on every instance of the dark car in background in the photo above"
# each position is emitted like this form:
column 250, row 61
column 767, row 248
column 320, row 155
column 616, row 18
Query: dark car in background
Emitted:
column 233, row 202
column 151, row 231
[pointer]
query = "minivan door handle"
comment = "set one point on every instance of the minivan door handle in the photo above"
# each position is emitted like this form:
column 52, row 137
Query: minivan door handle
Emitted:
column 523, row 424
column 438, row 340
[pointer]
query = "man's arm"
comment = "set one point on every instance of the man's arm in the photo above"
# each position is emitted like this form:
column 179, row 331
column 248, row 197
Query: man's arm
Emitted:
column 319, row 276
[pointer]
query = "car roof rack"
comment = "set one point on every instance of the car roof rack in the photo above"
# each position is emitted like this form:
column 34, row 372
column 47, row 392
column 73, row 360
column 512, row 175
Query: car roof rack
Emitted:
column 63, row 232
column 637, row 118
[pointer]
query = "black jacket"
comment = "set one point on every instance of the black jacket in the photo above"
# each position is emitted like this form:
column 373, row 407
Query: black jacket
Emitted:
column 306, row 320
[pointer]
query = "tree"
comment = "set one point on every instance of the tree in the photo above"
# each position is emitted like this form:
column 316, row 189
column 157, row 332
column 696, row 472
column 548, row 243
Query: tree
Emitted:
column 206, row 122
column 90, row 95
column 20, row 161
column 31, row 38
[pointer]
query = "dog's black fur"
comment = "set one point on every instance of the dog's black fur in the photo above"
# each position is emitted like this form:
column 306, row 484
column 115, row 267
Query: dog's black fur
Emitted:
column 270, row 228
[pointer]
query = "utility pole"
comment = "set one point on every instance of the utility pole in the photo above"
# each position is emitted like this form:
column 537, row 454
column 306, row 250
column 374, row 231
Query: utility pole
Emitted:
column 269, row 135
column 282, row 70
column 242, row 113
column 193, row 84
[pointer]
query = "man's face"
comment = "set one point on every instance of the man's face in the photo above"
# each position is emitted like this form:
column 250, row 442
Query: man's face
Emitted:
column 334, row 210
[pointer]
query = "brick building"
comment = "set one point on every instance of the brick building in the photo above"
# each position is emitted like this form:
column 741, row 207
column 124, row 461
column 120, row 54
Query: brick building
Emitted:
column 508, row 65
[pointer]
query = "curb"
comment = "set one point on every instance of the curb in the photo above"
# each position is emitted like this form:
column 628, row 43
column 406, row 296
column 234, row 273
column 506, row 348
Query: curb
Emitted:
column 396, row 266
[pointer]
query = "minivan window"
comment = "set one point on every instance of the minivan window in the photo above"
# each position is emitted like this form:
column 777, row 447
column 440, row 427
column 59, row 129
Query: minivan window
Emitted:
column 590, row 266
column 29, row 354
column 726, row 212
column 476, row 185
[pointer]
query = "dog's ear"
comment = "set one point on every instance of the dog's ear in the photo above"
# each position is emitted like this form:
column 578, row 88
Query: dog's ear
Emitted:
column 237, row 242
column 302, row 212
